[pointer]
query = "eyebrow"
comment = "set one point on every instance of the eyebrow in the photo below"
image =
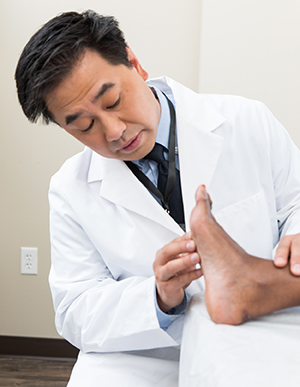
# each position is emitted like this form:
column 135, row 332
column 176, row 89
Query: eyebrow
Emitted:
column 106, row 86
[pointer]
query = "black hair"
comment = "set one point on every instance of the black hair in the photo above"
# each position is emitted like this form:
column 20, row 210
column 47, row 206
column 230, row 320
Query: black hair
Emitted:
column 54, row 50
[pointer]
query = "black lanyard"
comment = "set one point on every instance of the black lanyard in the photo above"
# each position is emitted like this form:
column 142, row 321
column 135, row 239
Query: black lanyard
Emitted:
column 172, row 167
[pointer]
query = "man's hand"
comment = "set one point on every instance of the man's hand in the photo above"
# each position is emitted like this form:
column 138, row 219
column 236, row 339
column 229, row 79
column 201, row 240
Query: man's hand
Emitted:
column 175, row 267
column 289, row 251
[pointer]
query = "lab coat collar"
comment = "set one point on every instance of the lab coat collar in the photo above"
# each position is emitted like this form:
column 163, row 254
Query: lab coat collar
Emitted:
column 120, row 186
column 199, row 151
column 194, row 106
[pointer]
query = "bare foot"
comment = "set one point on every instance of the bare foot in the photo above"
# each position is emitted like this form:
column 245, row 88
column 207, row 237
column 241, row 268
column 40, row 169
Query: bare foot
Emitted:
column 227, row 268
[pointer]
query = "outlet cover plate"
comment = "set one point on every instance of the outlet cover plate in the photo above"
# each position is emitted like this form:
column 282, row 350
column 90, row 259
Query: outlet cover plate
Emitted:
column 29, row 260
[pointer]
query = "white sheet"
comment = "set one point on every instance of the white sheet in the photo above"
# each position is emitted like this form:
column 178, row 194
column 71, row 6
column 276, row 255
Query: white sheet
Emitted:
column 152, row 368
column 263, row 352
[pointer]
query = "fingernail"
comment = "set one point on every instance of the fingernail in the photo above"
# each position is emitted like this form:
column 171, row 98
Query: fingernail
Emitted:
column 280, row 260
column 204, row 186
column 188, row 235
column 197, row 267
column 190, row 245
column 194, row 258
column 296, row 269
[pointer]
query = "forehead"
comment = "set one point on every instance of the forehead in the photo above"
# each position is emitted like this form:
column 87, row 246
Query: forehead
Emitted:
column 91, row 62
column 91, row 75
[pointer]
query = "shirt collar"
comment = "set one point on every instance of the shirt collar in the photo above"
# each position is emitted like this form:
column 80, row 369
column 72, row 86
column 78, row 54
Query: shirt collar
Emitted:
column 162, row 136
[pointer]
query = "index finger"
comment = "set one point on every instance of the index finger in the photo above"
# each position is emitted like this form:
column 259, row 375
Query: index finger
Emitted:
column 173, row 249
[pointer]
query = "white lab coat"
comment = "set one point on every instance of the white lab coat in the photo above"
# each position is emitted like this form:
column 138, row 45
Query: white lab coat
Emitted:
column 106, row 227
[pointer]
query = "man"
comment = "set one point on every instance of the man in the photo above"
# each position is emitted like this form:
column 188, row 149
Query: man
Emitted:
column 123, row 270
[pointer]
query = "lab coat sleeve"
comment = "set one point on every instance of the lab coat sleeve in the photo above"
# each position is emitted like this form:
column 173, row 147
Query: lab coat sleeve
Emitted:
column 285, row 164
column 95, row 312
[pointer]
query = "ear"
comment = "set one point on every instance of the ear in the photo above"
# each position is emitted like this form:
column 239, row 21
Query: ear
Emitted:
column 136, row 64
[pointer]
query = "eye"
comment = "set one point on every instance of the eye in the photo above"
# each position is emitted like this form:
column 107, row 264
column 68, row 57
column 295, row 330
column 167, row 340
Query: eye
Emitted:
column 89, row 128
column 115, row 104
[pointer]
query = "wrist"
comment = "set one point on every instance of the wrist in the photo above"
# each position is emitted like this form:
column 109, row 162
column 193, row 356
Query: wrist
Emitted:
column 169, row 307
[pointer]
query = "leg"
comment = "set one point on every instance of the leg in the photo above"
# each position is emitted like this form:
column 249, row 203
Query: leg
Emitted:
column 239, row 287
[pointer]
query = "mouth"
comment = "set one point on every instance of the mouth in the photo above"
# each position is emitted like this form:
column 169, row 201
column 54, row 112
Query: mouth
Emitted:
column 132, row 144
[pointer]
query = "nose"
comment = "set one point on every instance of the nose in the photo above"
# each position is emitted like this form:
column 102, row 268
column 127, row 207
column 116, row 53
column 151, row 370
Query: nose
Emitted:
column 114, row 128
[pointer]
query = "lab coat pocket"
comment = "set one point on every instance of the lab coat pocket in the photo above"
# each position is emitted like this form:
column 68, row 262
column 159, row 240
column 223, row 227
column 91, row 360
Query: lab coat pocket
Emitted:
column 248, row 223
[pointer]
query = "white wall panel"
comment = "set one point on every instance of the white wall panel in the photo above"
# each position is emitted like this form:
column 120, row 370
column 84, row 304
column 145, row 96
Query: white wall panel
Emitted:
column 252, row 48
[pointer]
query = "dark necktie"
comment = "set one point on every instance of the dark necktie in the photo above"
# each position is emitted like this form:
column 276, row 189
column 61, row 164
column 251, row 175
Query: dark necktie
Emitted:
column 168, row 189
column 157, row 154
column 175, row 199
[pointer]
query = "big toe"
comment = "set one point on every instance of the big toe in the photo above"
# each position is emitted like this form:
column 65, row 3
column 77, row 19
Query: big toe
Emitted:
column 201, row 212
column 203, row 200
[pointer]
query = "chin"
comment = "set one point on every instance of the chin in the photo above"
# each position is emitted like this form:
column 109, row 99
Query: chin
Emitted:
column 133, row 157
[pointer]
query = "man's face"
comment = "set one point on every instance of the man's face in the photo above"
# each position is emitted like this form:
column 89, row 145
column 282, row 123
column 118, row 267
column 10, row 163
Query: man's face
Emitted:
column 106, row 107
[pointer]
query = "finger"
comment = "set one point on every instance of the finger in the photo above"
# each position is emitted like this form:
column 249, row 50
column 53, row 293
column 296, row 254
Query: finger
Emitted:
column 295, row 256
column 283, row 252
column 184, row 279
column 173, row 267
column 185, row 237
column 182, row 255
column 191, row 268
column 188, row 235
column 174, row 249
column 170, row 293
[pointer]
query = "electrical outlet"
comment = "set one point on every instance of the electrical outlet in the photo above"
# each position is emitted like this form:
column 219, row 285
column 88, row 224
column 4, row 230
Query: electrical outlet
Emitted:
column 29, row 260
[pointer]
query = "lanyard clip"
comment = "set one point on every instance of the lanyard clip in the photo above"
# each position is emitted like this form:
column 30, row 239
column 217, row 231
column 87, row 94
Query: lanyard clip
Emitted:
column 166, row 208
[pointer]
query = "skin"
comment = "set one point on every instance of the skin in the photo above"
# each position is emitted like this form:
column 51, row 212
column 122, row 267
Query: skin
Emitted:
column 239, row 286
column 289, row 251
column 110, row 109
column 175, row 267
column 125, row 111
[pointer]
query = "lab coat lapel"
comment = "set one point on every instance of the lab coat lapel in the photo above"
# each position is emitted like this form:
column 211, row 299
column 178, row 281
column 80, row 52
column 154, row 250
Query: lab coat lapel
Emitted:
column 199, row 152
column 199, row 148
column 120, row 186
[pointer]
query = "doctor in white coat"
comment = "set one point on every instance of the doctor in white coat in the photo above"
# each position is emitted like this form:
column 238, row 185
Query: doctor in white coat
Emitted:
column 107, row 228
column 102, row 279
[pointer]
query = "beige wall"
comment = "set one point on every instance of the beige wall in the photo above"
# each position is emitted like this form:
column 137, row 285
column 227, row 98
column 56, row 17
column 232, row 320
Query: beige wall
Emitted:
column 30, row 154
column 252, row 48
column 248, row 47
